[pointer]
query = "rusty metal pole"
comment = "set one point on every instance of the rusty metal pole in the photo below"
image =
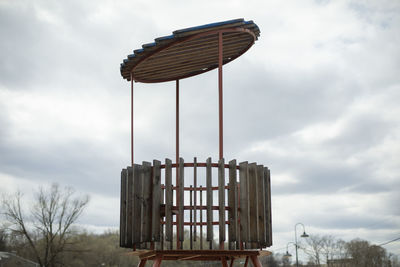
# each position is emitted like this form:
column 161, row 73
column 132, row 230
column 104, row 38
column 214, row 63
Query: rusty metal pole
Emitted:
column 221, row 123
column 177, row 161
column 132, row 159
column 221, row 117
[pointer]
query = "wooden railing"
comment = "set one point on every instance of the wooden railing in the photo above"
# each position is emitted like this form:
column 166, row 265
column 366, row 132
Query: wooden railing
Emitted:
column 148, row 206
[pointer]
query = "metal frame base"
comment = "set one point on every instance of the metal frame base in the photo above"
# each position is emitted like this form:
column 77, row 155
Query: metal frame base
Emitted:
column 202, row 255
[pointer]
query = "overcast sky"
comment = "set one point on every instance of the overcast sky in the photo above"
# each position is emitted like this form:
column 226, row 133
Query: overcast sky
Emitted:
column 316, row 99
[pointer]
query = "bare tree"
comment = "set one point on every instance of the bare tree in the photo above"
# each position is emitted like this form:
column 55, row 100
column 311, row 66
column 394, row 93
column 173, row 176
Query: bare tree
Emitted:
column 315, row 242
column 320, row 249
column 47, row 227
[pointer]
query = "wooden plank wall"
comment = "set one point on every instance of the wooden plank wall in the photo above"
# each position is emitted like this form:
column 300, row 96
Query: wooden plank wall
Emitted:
column 146, row 202
column 137, row 201
column 233, row 205
column 244, row 202
column 147, row 207
column 129, row 206
column 123, row 216
column 261, row 204
column 156, row 195
column 267, row 180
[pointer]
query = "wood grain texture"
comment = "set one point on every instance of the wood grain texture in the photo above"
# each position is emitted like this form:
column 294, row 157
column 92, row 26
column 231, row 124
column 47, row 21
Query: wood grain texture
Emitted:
column 233, row 204
column 253, row 203
column 244, row 202
column 160, row 245
column 146, row 203
column 137, row 202
column 267, row 174
column 168, row 201
column 123, row 207
column 261, row 205
column 156, row 195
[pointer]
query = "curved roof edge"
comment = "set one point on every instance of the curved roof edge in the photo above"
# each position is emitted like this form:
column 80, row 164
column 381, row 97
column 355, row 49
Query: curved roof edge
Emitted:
column 133, row 59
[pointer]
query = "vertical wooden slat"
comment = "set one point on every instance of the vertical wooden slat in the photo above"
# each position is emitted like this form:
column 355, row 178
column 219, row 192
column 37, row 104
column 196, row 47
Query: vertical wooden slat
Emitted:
column 123, row 213
column 201, row 217
column 221, row 201
column 146, row 203
column 168, row 202
column 160, row 245
column 181, row 200
column 155, row 220
column 267, row 180
column 261, row 205
column 191, row 218
column 253, row 202
column 244, row 203
column 130, row 207
column 195, row 197
column 137, row 199
column 209, row 202
column 239, row 243
column 232, row 203
column 162, row 226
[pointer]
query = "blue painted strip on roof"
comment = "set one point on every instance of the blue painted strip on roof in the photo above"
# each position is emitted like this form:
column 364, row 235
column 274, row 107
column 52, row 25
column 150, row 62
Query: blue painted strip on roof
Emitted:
column 138, row 51
column 131, row 56
column 210, row 25
column 163, row 38
column 126, row 60
column 149, row 45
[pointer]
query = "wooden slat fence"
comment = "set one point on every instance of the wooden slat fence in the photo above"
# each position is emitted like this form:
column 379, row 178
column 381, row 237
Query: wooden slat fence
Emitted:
column 150, row 214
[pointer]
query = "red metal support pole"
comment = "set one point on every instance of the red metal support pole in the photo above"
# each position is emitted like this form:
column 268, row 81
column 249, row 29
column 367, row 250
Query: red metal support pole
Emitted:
column 247, row 261
column 157, row 261
column 177, row 162
column 224, row 263
column 142, row 263
column 221, row 123
column 232, row 261
column 132, row 159
column 256, row 262
column 177, row 128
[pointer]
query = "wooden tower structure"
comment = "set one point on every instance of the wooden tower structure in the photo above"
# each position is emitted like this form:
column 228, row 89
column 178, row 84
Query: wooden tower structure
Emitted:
column 212, row 210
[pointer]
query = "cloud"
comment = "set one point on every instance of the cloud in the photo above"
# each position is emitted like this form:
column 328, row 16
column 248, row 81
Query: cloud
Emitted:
column 315, row 99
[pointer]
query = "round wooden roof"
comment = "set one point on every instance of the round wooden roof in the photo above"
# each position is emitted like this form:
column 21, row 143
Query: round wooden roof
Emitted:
column 189, row 52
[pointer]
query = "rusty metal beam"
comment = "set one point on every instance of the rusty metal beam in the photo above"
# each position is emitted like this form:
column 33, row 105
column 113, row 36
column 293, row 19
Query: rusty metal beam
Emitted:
column 177, row 159
column 132, row 159
column 221, row 126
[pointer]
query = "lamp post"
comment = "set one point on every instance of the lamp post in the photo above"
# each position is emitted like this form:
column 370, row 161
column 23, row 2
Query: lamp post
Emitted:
column 295, row 238
column 287, row 249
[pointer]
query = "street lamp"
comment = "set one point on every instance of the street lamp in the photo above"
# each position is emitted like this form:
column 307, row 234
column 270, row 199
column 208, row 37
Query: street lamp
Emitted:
column 295, row 238
column 287, row 250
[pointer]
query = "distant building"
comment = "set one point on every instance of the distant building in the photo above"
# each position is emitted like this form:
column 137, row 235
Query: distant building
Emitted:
column 8, row 259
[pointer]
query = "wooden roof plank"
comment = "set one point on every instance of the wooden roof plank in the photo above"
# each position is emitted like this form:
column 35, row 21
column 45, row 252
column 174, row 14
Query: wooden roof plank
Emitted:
column 189, row 42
